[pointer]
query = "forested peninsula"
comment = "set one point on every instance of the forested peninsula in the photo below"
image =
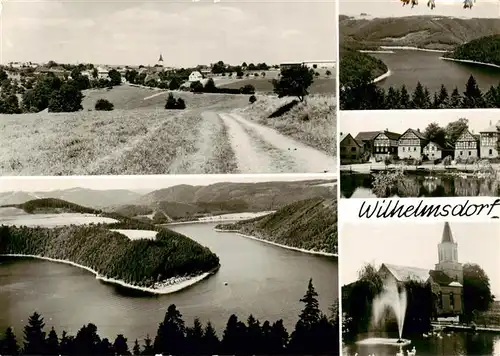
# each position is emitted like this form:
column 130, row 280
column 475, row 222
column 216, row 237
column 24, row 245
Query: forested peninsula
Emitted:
column 146, row 263
column 355, row 66
column 483, row 50
column 309, row 225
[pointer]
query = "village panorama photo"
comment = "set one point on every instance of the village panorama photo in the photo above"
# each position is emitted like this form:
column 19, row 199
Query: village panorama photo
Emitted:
column 167, row 87
column 416, row 153
column 427, row 288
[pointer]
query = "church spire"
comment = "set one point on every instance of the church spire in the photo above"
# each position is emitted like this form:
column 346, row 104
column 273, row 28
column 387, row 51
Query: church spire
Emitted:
column 161, row 58
column 447, row 236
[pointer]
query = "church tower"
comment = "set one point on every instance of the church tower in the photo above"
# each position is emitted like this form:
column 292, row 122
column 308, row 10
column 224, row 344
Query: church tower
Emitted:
column 448, row 256
column 160, row 60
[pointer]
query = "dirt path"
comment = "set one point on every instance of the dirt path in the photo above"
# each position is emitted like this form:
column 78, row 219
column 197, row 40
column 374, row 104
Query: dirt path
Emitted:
column 259, row 149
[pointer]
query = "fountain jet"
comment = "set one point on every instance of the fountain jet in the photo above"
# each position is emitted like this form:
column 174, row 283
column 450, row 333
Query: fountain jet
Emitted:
column 393, row 299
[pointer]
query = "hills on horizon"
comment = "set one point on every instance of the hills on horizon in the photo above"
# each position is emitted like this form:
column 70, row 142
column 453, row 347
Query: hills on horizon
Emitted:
column 186, row 201
column 428, row 32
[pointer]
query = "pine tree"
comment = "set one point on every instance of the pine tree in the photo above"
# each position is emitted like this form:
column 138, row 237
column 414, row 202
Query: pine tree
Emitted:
column 435, row 101
column 404, row 98
column 311, row 314
column 254, row 336
column 194, row 337
column 120, row 346
column 148, row 346
column 8, row 346
column 278, row 337
column 137, row 349
column 393, row 98
column 473, row 98
column 66, row 344
column 171, row 333
column 492, row 98
column 34, row 336
column 52, row 343
column 443, row 98
column 419, row 98
column 211, row 342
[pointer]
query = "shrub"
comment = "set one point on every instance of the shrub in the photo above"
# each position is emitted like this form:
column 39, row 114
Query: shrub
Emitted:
column 252, row 99
column 247, row 89
column 104, row 105
column 174, row 104
column 447, row 161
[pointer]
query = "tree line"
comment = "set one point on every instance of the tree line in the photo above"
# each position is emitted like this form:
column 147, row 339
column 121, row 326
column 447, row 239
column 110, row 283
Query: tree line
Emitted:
column 314, row 334
column 357, row 302
column 484, row 49
column 368, row 96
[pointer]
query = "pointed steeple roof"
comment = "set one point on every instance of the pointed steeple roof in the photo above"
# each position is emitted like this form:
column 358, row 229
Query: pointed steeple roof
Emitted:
column 447, row 236
column 161, row 58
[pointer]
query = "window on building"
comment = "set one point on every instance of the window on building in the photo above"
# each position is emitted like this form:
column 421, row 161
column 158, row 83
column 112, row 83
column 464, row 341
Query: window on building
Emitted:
column 440, row 300
column 491, row 151
column 470, row 153
column 403, row 149
column 461, row 153
column 452, row 300
column 353, row 149
column 414, row 148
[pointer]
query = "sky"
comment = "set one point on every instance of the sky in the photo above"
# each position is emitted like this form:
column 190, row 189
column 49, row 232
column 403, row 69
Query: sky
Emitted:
column 415, row 245
column 400, row 120
column 394, row 8
column 141, row 183
column 187, row 33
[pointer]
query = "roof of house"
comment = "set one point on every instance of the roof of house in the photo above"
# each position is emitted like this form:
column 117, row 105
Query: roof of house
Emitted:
column 455, row 284
column 195, row 72
column 491, row 128
column 366, row 135
column 416, row 133
column 343, row 136
column 390, row 135
column 405, row 273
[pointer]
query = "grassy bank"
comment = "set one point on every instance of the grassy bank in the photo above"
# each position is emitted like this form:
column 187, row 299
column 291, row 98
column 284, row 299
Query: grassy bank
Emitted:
column 312, row 122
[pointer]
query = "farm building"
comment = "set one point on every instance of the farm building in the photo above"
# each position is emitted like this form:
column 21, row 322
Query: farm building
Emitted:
column 195, row 77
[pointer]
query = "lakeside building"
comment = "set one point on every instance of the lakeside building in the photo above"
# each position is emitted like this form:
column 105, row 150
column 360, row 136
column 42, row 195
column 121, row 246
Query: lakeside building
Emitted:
column 411, row 144
column 489, row 143
column 385, row 144
column 467, row 145
column 351, row 151
column 434, row 150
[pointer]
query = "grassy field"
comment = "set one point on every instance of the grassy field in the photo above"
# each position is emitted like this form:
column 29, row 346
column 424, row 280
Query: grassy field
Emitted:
column 312, row 122
column 140, row 137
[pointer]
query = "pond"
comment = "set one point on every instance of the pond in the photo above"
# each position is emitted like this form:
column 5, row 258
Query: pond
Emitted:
column 360, row 185
column 446, row 344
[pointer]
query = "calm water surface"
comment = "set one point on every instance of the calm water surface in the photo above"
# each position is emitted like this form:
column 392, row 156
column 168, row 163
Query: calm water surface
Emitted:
column 456, row 344
column 357, row 185
column 409, row 67
column 264, row 280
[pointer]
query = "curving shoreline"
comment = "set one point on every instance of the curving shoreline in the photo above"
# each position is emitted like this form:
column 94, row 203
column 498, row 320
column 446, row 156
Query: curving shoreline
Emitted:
column 169, row 286
column 219, row 218
column 382, row 77
column 470, row 62
column 410, row 48
column 237, row 232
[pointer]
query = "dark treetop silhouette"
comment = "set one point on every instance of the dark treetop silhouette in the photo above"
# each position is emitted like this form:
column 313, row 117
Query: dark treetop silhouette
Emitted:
column 314, row 333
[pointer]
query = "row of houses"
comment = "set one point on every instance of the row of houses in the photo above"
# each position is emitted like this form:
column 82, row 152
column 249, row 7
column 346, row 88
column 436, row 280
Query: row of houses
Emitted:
column 325, row 64
column 412, row 144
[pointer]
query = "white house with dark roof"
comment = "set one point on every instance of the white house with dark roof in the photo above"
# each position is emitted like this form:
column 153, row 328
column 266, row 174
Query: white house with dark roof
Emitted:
column 489, row 141
column 195, row 76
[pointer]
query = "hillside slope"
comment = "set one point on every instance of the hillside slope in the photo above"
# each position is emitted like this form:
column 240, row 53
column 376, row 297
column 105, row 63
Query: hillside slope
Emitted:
column 431, row 32
column 484, row 49
column 355, row 65
column 308, row 224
